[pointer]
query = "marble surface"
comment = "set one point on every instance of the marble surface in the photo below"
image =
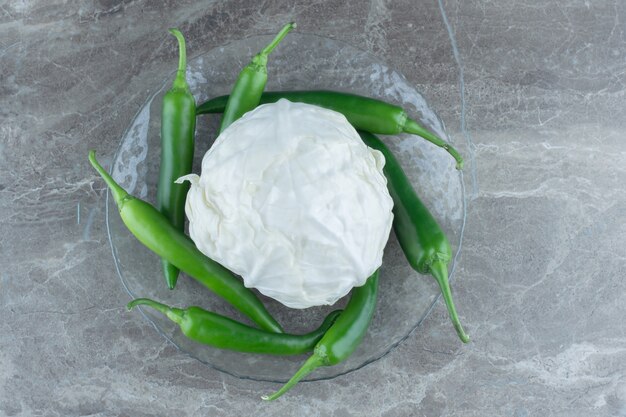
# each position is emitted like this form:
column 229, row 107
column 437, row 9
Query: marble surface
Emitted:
column 540, row 283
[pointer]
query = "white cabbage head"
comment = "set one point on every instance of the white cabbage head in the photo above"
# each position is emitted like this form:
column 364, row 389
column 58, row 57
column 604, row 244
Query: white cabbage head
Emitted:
column 292, row 200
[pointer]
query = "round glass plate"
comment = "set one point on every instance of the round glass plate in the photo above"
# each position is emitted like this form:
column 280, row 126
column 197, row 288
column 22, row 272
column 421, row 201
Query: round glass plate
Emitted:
column 301, row 61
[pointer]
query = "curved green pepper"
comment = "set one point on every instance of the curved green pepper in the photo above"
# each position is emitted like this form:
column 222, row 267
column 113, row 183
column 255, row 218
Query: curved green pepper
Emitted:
column 250, row 84
column 423, row 242
column 343, row 337
column 364, row 113
column 178, row 125
column 222, row 332
column 153, row 229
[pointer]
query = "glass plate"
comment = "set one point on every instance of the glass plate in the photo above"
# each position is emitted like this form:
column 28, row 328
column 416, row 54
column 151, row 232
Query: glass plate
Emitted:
column 301, row 61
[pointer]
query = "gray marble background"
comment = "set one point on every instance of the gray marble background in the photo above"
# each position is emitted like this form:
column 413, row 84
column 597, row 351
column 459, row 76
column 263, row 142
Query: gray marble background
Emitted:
column 540, row 285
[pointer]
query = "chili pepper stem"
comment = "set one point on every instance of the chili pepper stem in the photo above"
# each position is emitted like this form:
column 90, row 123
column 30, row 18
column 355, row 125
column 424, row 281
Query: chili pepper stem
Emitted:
column 119, row 194
column 439, row 270
column 311, row 364
column 261, row 57
column 411, row 126
column 180, row 82
column 175, row 314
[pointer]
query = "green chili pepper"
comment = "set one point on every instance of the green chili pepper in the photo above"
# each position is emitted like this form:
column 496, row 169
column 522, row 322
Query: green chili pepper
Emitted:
column 178, row 124
column 344, row 335
column 222, row 332
column 153, row 229
column 363, row 113
column 250, row 84
column 423, row 242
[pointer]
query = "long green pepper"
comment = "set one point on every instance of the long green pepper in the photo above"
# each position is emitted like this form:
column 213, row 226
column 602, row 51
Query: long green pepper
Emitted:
column 343, row 337
column 178, row 125
column 155, row 231
column 222, row 332
column 250, row 84
column 364, row 113
column 423, row 242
